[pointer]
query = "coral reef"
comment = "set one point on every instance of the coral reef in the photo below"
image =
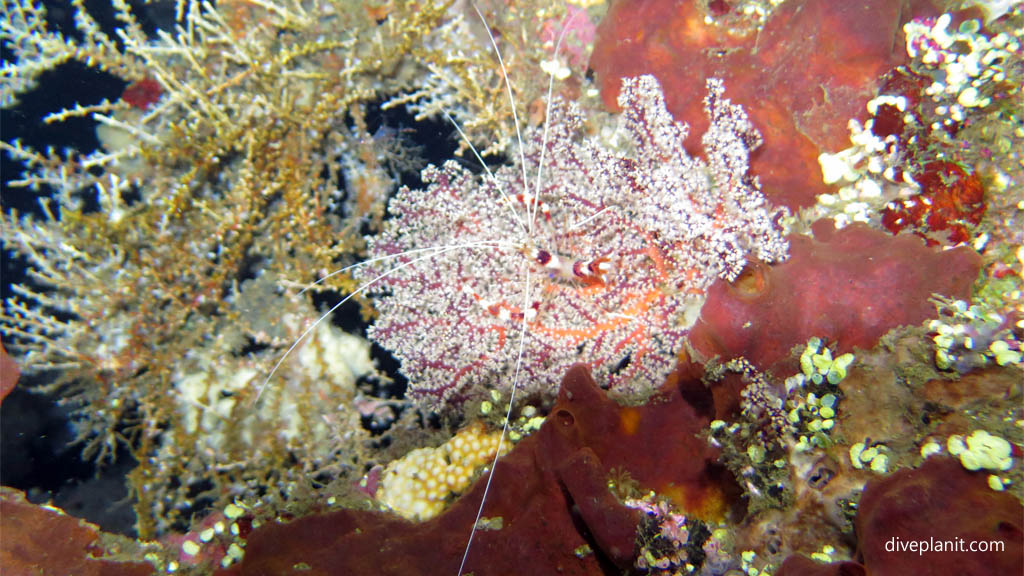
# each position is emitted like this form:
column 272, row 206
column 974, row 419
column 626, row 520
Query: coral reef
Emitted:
column 589, row 445
column 486, row 282
column 236, row 163
column 804, row 449
column 597, row 348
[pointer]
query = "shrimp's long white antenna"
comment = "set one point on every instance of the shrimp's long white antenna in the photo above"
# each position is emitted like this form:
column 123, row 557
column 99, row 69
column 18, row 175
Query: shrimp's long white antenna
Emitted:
column 436, row 251
column 504, row 427
column 501, row 189
column 362, row 263
column 531, row 214
column 547, row 110
column 587, row 219
column 512, row 100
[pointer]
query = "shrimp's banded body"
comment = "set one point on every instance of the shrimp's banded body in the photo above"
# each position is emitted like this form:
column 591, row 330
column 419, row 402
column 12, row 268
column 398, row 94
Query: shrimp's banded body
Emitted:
column 591, row 271
column 533, row 203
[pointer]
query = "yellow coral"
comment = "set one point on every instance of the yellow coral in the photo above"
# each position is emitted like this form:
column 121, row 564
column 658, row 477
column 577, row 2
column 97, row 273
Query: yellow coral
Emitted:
column 418, row 486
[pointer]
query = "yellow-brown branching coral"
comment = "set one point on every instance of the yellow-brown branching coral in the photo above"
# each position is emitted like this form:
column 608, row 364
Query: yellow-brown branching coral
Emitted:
column 469, row 84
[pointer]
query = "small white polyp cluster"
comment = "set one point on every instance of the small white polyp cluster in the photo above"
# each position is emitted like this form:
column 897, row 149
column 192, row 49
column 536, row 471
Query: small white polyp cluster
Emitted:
column 869, row 173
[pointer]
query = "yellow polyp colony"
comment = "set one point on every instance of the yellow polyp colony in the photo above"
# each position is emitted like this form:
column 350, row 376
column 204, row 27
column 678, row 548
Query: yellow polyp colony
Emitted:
column 981, row 450
column 419, row 485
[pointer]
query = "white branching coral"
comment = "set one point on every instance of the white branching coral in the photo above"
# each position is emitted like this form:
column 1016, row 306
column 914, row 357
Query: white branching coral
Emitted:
column 598, row 256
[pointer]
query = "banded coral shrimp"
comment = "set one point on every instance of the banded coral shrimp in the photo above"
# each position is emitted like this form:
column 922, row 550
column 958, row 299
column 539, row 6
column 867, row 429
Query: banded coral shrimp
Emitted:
column 523, row 209
column 579, row 251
